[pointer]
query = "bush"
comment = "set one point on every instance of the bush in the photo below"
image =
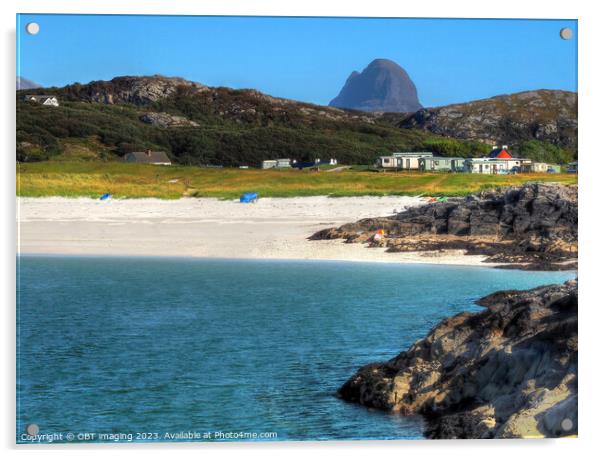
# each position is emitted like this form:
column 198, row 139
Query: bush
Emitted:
column 545, row 152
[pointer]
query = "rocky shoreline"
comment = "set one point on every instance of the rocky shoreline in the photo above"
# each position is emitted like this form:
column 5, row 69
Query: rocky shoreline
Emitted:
column 533, row 227
column 509, row 371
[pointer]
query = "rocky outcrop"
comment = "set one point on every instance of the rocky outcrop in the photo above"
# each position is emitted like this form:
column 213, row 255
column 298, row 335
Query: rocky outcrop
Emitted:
column 508, row 371
column 546, row 115
column 534, row 226
column 137, row 90
column 167, row 120
column 381, row 86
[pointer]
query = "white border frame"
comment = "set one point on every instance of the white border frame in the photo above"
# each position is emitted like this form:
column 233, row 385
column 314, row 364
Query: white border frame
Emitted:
column 590, row 193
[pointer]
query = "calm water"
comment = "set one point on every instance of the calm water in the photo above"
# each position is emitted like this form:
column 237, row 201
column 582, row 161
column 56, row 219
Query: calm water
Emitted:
column 133, row 345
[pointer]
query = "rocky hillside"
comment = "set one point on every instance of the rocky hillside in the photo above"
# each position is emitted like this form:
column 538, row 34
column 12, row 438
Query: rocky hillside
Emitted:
column 545, row 115
column 197, row 124
column 532, row 227
column 381, row 86
column 508, row 371
column 244, row 105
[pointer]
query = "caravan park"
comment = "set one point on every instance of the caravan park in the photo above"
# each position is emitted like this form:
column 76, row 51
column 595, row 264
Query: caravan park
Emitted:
column 127, row 180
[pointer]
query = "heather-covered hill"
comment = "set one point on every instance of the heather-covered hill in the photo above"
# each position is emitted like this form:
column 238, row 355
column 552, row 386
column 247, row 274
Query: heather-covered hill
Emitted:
column 197, row 124
column 525, row 120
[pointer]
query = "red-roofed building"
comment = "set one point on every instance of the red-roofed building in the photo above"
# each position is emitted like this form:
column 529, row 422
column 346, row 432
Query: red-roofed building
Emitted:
column 500, row 153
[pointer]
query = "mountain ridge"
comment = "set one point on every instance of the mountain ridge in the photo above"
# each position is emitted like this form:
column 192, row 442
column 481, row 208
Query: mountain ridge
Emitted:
column 196, row 123
column 147, row 90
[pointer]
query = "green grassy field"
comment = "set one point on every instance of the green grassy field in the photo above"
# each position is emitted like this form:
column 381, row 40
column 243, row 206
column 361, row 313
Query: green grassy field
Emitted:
column 92, row 179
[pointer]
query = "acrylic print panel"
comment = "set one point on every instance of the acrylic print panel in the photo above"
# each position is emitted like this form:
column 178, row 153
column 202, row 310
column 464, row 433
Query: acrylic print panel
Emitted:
column 272, row 229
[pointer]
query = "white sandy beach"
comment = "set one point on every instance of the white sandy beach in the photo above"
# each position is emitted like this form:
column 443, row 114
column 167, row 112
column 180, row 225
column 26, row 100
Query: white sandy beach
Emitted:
column 269, row 229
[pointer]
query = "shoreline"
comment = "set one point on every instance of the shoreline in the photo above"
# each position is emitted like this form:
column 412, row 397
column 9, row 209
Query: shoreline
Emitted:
column 416, row 258
column 533, row 227
column 273, row 228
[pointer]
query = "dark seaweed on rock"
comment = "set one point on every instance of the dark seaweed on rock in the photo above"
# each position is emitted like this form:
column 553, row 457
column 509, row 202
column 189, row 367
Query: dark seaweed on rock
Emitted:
column 509, row 371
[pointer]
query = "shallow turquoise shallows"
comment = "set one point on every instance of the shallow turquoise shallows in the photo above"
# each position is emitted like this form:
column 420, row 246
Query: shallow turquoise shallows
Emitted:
column 181, row 349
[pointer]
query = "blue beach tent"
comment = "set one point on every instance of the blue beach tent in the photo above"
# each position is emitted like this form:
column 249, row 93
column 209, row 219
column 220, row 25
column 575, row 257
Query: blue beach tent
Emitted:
column 248, row 197
column 105, row 196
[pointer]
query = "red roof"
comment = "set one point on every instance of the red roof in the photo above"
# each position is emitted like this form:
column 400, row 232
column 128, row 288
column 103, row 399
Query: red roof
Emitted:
column 500, row 153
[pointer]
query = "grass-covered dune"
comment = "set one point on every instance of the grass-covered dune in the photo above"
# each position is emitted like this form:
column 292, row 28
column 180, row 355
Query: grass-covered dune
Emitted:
column 122, row 180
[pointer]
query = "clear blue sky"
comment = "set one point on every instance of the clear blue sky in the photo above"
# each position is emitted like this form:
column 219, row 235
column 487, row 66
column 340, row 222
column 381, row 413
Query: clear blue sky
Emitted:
column 305, row 59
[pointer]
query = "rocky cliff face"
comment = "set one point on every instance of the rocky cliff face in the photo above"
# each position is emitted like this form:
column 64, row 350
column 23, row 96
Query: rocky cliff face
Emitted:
column 534, row 226
column 509, row 371
column 545, row 115
column 381, row 86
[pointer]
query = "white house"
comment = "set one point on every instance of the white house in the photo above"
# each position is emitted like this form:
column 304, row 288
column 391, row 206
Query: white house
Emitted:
column 517, row 164
column 48, row 100
column 513, row 164
column 538, row 167
column 386, row 162
column 269, row 164
column 486, row 165
column 402, row 161
column 276, row 164
column 501, row 160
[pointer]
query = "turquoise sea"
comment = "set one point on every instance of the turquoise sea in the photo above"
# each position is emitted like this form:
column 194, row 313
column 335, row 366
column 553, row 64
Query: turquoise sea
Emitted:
column 148, row 349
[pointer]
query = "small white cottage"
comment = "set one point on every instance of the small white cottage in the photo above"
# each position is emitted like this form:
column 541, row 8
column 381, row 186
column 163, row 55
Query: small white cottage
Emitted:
column 48, row 100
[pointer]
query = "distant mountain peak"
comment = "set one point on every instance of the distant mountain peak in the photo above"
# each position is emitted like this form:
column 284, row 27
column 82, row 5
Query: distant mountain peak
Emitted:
column 382, row 86
column 384, row 63
column 24, row 83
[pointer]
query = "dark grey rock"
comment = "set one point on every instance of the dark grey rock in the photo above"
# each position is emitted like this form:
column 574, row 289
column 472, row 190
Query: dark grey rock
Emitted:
column 508, row 371
column 534, row 226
